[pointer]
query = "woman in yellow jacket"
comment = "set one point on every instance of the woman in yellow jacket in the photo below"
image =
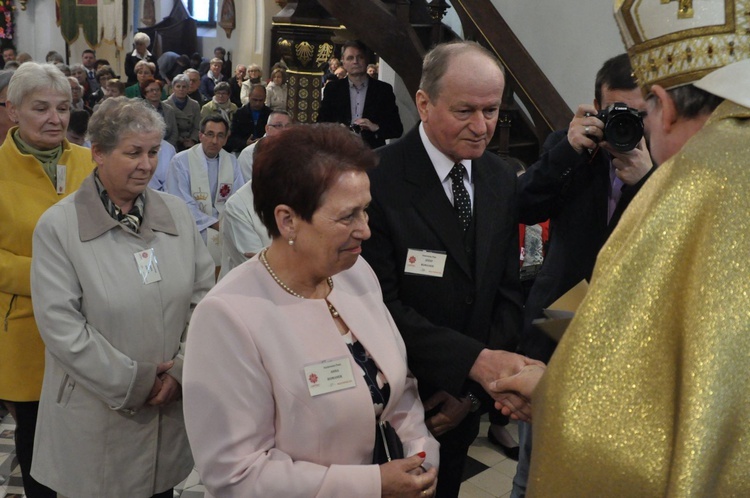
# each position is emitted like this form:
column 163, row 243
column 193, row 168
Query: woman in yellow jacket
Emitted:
column 39, row 167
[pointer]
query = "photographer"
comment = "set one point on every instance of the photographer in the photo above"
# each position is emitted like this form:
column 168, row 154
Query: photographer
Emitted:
column 582, row 184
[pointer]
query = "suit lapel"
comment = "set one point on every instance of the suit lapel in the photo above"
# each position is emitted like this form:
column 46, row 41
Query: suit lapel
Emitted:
column 487, row 209
column 431, row 202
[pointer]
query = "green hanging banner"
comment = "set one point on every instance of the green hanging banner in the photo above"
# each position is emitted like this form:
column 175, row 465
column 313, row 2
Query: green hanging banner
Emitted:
column 75, row 13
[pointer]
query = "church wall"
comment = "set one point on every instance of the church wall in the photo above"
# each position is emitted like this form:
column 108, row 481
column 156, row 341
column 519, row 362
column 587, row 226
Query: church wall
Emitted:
column 577, row 37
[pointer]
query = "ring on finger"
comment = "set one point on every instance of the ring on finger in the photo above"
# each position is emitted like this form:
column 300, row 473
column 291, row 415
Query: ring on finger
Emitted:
column 586, row 130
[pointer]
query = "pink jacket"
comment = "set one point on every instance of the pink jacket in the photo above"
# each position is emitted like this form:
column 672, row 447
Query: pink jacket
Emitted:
column 254, row 428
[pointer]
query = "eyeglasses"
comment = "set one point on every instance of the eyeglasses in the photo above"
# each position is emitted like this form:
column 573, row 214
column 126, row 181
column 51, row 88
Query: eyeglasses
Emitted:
column 280, row 125
column 153, row 90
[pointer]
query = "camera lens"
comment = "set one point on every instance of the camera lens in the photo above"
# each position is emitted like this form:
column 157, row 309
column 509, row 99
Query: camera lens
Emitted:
column 623, row 127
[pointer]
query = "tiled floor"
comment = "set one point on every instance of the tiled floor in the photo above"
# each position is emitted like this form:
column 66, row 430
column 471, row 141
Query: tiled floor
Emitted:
column 489, row 473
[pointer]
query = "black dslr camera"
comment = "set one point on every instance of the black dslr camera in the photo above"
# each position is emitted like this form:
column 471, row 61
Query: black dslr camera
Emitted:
column 623, row 126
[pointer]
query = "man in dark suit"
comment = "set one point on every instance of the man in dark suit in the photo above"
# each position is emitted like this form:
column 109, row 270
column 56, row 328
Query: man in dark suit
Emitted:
column 582, row 185
column 249, row 122
column 365, row 104
column 446, row 251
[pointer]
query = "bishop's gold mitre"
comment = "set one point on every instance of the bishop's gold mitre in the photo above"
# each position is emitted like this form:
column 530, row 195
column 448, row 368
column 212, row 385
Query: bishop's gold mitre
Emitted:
column 676, row 42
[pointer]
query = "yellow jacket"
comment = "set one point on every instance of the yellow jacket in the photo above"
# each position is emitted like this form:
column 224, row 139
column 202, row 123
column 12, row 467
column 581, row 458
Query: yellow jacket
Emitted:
column 25, row 193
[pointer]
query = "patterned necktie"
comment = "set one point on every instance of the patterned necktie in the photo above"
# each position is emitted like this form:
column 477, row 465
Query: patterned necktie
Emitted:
column 461, row 199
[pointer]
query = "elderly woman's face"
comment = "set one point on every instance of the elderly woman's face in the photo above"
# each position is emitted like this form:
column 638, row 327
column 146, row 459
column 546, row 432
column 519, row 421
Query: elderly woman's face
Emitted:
column 5, row 122
column 126, row 170
column 153, row 94
column 143, row 73
column 42, row 117
column 140, row 47
column 180, row 90
column 332, row 241
column 221, row 97
column 80, row 75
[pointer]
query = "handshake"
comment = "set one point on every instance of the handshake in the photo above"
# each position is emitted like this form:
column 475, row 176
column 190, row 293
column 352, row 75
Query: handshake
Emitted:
column 510, row 379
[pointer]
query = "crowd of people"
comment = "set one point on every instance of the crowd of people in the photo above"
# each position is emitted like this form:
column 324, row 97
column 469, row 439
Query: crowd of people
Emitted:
column 316, row 311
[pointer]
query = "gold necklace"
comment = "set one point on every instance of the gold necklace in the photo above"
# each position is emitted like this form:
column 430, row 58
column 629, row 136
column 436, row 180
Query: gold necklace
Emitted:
column 331, row 309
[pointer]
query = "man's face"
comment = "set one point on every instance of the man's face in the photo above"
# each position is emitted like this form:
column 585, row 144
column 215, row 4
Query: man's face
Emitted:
column 240, row 72
column 277, row 123
column 219, row 54
column 257, row 99
column 9, row 55
column 354, row 61
column 213, row 138
column 89, row 60
column 195, row 82
column 461, row 119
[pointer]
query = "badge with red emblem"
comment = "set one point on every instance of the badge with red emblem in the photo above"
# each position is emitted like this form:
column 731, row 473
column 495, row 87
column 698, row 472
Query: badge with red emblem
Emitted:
column 224, row 190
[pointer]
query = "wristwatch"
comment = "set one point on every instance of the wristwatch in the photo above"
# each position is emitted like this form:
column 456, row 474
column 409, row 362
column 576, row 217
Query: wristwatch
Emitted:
column 475, row 403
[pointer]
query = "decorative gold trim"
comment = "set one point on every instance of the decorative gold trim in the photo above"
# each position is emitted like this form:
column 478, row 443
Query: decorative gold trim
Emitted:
column 635, row 27
column 315, row 26
column 312, row 73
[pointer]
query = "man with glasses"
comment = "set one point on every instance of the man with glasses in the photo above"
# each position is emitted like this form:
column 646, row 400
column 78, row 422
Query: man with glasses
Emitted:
column 195, row 84
column 277, row 121
column 204, row 176
column 250, row 120
column 242, row 232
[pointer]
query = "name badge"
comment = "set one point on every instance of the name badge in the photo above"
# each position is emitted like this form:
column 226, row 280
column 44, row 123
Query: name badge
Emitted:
column 329, row 376
column 423, row 262
column 224, row 190
column 147, row 266
column 62, row 171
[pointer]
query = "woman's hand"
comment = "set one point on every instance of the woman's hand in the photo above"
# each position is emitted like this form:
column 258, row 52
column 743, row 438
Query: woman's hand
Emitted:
column 400, row 478
column 166, row 388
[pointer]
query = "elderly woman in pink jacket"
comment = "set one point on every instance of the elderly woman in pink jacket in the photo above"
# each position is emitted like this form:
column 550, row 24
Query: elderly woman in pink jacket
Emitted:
column 293, row 360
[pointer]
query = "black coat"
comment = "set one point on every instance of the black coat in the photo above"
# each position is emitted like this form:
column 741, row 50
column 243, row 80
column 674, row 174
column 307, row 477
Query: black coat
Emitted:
column 243, row 127
column 380, row 108
column 445, row 321
column 572, row 191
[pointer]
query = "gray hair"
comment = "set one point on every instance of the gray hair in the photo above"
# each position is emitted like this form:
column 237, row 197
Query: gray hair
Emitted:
column 142, row 38
column 53, row 57
column 33, row 76
column 78, row 67
column 691, row 102
column 5, row 76
column 191, row 70
column 438, row 59
column 181, row 78
column 119, row 116
column 222, row 86
column 143, row 63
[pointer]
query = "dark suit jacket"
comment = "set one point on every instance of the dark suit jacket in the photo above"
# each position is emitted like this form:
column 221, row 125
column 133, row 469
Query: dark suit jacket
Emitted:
column 243, row 126
column 445, row 321
column 380, row 108
column 571, row 190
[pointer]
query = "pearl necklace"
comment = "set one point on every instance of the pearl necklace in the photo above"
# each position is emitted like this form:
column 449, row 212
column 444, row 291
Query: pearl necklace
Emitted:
column 331, row 309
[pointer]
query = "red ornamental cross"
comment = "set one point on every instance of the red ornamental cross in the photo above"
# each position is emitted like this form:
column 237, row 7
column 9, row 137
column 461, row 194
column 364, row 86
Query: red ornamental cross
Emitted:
column 224, row 190
column 313, row 378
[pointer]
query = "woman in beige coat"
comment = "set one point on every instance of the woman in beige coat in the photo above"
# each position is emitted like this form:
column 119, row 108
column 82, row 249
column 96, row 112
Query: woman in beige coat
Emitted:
column 116, row 271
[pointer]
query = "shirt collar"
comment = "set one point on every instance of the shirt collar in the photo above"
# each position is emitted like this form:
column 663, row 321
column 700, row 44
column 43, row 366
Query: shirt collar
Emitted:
column 360, row 87
column 442, row 163
column 136, row 54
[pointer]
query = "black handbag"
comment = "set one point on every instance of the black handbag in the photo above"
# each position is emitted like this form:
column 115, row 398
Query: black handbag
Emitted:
column 388, row 445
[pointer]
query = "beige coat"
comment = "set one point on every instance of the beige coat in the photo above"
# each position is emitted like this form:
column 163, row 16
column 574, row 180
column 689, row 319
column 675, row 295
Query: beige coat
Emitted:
column 105, row 332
